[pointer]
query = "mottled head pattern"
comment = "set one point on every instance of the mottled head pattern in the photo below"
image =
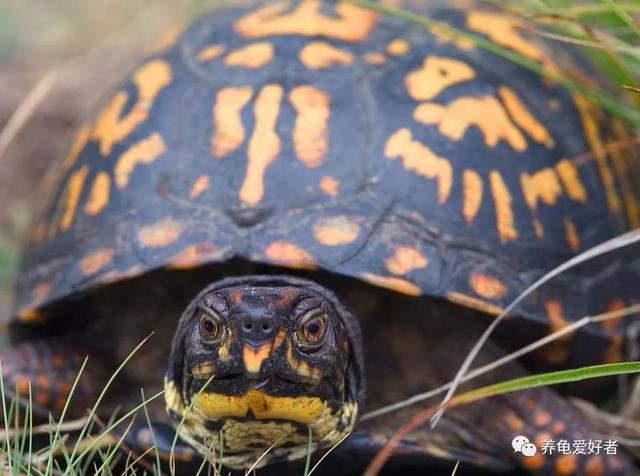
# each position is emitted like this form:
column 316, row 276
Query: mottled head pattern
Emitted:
column 264, row 360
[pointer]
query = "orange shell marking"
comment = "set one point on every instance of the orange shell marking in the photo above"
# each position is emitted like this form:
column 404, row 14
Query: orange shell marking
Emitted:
column 391, row 282
column 251, row 56
column 72, row 196
column 486, row 113
column 210, row 52
column 571, row 234
column 99, row 195
column 199, row 186
column 227, row 123
column 398, row 47
column 320, row 54
column 194, row 255
column 290, row 254
column 405, row 259
column 487, row 286
column 264, row 145
column 504, row 213
column 329, row 185
column 80, row 141
column 471, row 194
column 524, row 118
column 96, row 261
column 110, row 127
column 543, row 185
column 418, row 158
column 310, row 139
column 436, row 74
column 143, row 152
column 352, row 24
column 504, row 30
column 333, row 231
column 588, row 112
column 161, row 233
column 570, row 178
column 375, row 58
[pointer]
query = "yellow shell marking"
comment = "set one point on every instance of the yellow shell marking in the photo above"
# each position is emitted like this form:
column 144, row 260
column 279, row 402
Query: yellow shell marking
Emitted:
column 161, row 233
column 253, row 56
column 391, row 282
column 435, row 75
column 570, row 178
column 504, row 30
column 96, row 261
column 471, row 194
column 487, row 286
column 310, row 134
column 110, row 127
column 99, row 195
column 405, row 259
column 210, row 52
column 227, row 123
column 542, row 185
column 299, row 409
column 264, row 145
column 418, row 158
column 320, row 55
column 571, row 235
column 338, row 230
column 199, row 186
column 352, row 24
column 524, row 118
column 194, row 255
column 504, row 214
column 329, row 185
column 398, row 47
column 289, row 254
column 588, row 113
column 486, row 113
column 80, row 141
column 375, row 58
column 143, row 152
column 473, row 302
column 71, row 196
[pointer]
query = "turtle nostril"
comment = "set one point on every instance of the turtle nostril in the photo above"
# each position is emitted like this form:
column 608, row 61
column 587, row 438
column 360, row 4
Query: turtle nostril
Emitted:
column 247, row 326
column 266, row 327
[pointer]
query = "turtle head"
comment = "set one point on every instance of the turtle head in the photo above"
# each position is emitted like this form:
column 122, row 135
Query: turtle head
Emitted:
column 264, row 360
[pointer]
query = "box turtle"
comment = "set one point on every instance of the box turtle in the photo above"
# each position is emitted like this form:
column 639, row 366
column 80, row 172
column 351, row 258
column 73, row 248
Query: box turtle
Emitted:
column 317, row 195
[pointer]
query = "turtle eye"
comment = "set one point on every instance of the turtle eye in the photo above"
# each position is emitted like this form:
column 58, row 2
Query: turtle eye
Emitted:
column 211, row 328
column 312, row 330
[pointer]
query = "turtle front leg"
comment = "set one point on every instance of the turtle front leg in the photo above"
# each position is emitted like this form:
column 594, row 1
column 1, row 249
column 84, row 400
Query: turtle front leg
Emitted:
column 50, row 367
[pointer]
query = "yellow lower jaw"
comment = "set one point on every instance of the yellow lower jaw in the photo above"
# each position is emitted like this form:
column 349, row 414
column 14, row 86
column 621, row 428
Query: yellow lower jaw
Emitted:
column 263, row 407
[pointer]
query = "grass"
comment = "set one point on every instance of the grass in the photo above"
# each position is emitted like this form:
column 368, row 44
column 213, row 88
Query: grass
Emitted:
column 608, row 34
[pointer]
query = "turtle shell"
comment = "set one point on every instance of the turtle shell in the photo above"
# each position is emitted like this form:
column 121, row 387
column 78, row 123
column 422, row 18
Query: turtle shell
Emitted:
column 325, row 135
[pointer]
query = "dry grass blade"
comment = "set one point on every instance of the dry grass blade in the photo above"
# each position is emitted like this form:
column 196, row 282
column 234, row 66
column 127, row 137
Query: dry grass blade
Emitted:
column 26, row 109
column 266, row 452
column 631, row 88
column 420, row 397
column 615, row 243
column 72, row 425
column 315, row 466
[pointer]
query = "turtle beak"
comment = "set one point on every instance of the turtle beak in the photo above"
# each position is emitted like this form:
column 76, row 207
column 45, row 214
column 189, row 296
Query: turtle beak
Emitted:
column 257, row 334
column 254, row 356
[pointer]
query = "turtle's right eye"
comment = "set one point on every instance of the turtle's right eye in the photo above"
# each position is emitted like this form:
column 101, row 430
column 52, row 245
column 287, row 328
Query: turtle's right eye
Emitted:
column 211, row 328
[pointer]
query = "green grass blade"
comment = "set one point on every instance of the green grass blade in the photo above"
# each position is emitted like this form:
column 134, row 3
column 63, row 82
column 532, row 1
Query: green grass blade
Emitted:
column 550, row 378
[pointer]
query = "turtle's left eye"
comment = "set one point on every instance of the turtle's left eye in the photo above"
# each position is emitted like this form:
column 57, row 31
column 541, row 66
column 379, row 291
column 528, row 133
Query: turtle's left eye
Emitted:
column 312, row 330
